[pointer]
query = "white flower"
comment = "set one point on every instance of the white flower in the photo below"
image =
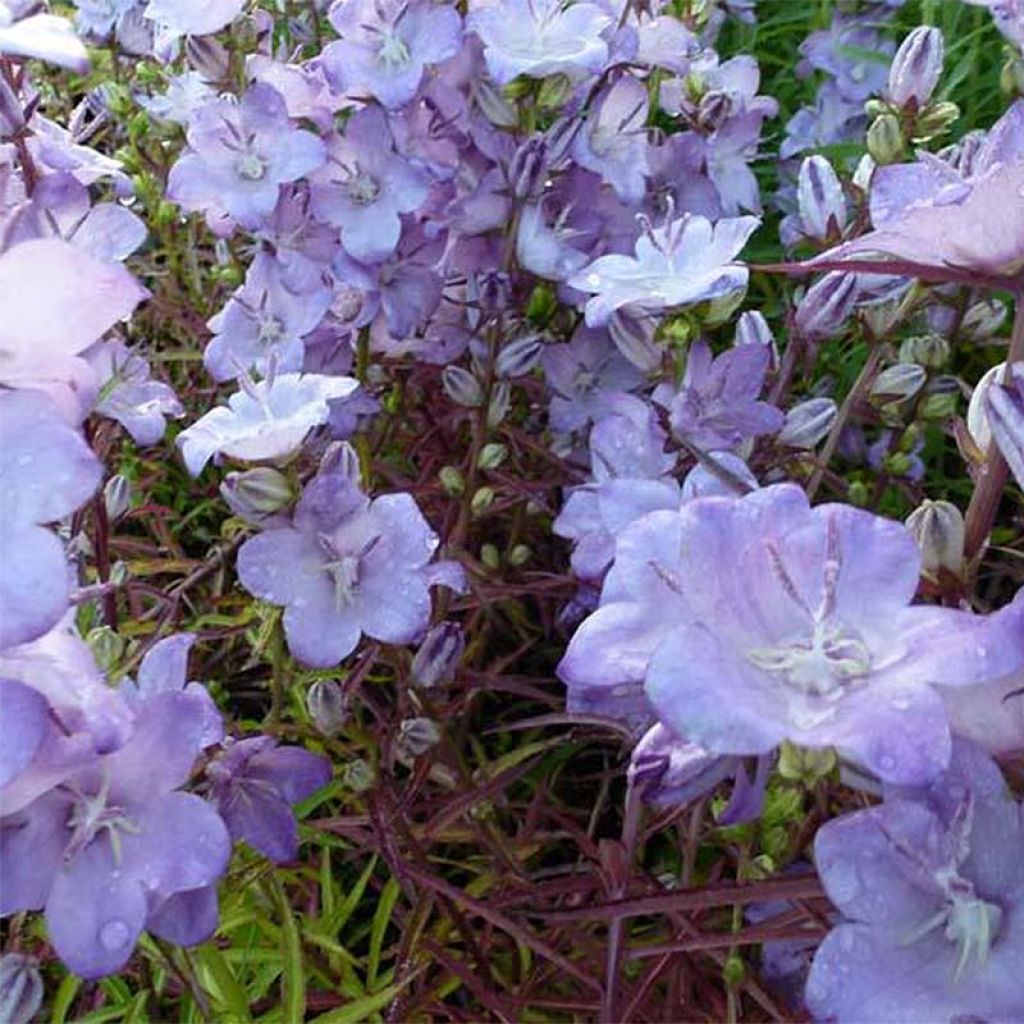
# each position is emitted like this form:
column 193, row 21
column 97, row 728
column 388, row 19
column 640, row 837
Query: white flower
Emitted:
column 540, row 37
column 685, row 261
column 265, row 421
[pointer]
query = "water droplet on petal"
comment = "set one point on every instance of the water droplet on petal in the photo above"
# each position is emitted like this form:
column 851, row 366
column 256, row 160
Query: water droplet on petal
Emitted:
column 114, row 935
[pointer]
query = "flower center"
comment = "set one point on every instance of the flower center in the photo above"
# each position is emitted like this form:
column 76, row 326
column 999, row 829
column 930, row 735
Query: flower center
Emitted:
column 270, row 331
column 91, row 815
column 393, row 52
column 362, row 188
column 251, row 166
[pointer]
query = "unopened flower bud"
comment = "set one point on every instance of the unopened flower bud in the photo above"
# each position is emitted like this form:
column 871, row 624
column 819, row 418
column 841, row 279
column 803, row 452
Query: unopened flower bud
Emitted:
column 257, row 493
column 820, row 195
column 117, row 496
column 208, row 57
column 519, row 555
column 1006, row 418
column 634, row 338
column 437, row 659
column 712, row 110
column 501, row 398
column 1011, row 77
column 482, row 500
column 885, row 139
column 805, row 764
column 21, row 989
column 554, row 91
column 416, row 736
column 519, row 357
column 490, row 556
column 808, row 423
column 899, row 383
column 452, row 480
column 107, row 647
column 492, row 456
column 528, row 167
column 916, row 68
column 983, row 319
column 327, row 705
column 935, row 120
column 938, row 528
column 12, row 113
column 462, row 387
column 941, row 399
column 753, row 329
column 864, row 172
column 493, row 104
column 929, row 350
column 358, row 775
column 827, row 304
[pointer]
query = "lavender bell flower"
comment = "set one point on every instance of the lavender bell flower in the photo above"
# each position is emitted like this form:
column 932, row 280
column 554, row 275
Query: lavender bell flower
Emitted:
column 931, row 888
column 717, row 406
column 253, row 785
column 346, row 566
column 48, row 471
column 385, row 47
column 684, row 262
column 802, row 624
column 365, row 186
column 239, row 155
column 110, row 847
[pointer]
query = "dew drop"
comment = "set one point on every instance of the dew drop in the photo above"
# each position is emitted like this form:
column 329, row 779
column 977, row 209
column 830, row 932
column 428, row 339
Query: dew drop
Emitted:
column 114, row 935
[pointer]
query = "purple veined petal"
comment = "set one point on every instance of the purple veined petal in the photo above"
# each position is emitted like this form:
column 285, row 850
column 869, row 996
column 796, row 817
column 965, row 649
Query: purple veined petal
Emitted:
column 280, row 566
column 47, row 468
column 94, row 913
column 263, row 820
column 448, row 574
column 901, row 735
column 293, row 771
column 57, row 300
column 179, row 843
column 32, row 844
column 162, row 749
column 319, row 633
column 746, row 802
column 990, row 714
column 404, row 529
column 165, row 666
column 394, row 607
column 46, row 37
column 58, row 757
column 111, row 232
column 186, row 918
column 687, row 681
column 34, row 586
column 876, row 865
column 24, row 714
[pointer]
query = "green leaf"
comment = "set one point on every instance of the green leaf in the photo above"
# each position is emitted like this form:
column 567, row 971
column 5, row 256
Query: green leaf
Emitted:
column 64, row 997
column 381, row 920
column 361, row 1009
column 219, row 980
column 293, row 980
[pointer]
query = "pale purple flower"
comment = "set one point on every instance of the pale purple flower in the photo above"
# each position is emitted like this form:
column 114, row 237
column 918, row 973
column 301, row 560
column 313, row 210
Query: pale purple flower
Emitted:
column 386, row 46
column 729, row 151
column 106, row 850
column 852, row 53
column 717, row 406
column 175, row 18
column 1005, row 402
column 931, row 220
column 184, row 94
column 239, row 155
column 916, row 67
column 1008, row 16
column 799, row 629
column 365, row 186
column 544, row 237
column 630, row 470
column 267, row 421
column 347, row 566
column 684, row 262
column 254, row 783
column 129, row 395
column 538, row 38
column 47, row 471
column 44, row 36
column 613, row 140
column 265, row 321
column 931, row 888
column 57, row 300
column 585, row 375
